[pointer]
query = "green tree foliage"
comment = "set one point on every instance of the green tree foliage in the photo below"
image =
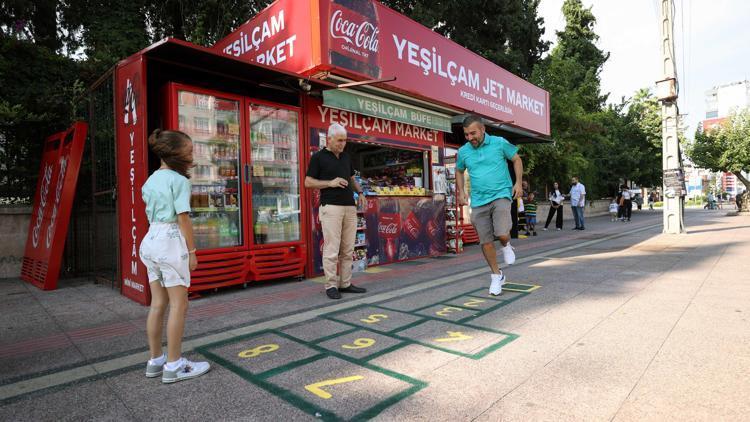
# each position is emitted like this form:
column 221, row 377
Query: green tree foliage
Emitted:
column 603, row 145
column 571, row 75
column 726, row 148
column 506, row 32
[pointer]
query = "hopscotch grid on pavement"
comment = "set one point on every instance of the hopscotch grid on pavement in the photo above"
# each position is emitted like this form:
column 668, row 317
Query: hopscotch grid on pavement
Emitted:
column 262, row 379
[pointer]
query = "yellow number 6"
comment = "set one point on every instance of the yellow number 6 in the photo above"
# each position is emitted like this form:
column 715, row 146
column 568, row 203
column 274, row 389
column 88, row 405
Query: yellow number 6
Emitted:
column 359, row 343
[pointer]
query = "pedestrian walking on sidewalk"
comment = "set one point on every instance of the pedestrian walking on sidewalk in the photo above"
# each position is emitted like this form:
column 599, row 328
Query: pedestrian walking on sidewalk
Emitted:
column 168, row 251
column 626, row 203
column 577, row 202
column 556, row 199
column 331, row 170
column 492, row 190
column 530, row 208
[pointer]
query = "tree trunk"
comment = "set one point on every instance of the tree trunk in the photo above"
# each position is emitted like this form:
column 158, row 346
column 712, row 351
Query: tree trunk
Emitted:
column 746, row 197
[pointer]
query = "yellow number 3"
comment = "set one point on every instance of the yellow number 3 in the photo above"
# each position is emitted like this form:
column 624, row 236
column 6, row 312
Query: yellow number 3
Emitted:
column 372, row 319
column 257, row 351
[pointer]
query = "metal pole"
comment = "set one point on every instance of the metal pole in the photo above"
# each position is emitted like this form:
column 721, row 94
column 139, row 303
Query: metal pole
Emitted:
column 667, row 93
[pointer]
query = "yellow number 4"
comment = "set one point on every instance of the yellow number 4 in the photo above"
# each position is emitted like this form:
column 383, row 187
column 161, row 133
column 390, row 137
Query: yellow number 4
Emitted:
column 453, row 336
column 448, row 310
column 372, row 319
column 317, row 388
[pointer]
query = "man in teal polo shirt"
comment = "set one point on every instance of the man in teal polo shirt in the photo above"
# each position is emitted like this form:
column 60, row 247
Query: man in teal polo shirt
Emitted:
column 485, row 156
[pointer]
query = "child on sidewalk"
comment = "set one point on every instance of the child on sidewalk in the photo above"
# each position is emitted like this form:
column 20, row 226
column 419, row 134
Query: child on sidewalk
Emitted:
column 530, row 208
column 613, row 210
column 168, row 251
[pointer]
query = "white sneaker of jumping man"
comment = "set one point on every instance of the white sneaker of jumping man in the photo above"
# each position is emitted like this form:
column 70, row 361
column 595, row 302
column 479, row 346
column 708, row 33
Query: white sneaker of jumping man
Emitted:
column 497, row 283
column 508, row 255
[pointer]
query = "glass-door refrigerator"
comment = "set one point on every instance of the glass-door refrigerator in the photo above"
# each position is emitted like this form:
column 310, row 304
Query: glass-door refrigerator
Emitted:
column 275, row 183
column 218, row 199
column 275, row 174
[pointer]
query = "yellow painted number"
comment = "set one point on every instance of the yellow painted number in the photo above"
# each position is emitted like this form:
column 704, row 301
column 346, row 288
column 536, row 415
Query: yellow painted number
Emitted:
column 317, row 388
column 453, row 336
column 372, row 319
column 359, row 343
column 448, row 310
column 473, row 303
column 257, row 351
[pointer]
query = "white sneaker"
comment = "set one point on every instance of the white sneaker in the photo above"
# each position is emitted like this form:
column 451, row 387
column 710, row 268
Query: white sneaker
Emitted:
column 508, row 255
column 185, row 371
column 544, row 228
column 496, row 286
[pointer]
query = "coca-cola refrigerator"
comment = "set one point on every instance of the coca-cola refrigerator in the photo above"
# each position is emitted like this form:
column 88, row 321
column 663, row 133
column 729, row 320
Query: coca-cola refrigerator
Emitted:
column 245, row 201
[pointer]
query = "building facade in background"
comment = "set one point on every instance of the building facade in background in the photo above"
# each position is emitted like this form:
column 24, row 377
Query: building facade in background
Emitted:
column 721, row 102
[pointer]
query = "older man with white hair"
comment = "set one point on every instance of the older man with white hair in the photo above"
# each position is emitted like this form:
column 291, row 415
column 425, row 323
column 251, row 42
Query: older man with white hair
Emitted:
column 332, row 172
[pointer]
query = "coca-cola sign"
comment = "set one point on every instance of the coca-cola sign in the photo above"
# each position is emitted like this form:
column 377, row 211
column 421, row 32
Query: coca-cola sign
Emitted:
column 361, row 34
column 388, row 229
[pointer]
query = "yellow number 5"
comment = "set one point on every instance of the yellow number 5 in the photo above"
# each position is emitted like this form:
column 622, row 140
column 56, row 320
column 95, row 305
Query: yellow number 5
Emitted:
column 372, row 319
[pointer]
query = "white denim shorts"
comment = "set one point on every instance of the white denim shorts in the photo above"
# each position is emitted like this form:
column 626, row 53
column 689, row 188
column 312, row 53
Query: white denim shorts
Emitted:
column 165, row 255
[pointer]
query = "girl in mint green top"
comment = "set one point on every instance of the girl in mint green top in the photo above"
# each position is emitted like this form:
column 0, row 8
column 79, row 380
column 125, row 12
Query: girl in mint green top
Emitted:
column 166, row 194
column 168, row 252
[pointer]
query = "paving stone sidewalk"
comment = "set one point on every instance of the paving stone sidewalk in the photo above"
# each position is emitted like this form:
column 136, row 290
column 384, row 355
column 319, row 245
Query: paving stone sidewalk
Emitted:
column 619, row 322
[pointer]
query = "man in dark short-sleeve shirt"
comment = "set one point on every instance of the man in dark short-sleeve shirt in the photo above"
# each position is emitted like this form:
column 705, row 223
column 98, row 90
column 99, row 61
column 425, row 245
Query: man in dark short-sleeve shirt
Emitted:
column 332, row 172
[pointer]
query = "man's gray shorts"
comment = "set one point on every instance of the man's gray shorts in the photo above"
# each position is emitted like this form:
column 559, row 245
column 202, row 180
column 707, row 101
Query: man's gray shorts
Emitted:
column 492, row 220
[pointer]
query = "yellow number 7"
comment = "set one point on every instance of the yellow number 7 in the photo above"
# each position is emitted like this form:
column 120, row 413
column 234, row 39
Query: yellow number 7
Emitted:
column 317, row 389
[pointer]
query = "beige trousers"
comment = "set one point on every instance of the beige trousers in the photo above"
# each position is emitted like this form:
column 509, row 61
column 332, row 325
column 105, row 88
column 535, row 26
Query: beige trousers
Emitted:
column 339, row 232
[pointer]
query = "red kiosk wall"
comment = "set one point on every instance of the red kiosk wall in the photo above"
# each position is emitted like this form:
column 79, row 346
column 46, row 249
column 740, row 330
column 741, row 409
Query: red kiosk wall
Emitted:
column 132, row 170
column 61, row 160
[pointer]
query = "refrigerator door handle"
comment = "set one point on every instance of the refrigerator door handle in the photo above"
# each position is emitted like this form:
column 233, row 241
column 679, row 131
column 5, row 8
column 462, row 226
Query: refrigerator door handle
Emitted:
column 247, row 173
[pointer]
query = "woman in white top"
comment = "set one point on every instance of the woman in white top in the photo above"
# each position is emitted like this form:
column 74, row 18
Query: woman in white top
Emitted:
column 556, row 198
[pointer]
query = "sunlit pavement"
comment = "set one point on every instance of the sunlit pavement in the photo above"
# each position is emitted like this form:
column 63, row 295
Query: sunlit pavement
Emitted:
column 617, row 322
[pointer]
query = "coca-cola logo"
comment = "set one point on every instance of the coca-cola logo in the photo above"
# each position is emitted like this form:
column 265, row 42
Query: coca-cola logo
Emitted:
column 360, row 34
column 390, row 228
column 389, row 225
column 412, row 226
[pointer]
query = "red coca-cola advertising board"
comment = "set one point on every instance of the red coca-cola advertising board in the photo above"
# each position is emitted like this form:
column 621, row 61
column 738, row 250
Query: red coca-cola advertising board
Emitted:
column 370, row 40
column 366, row 40
column 61, row 160
column 132, row 171
column 279, row 36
